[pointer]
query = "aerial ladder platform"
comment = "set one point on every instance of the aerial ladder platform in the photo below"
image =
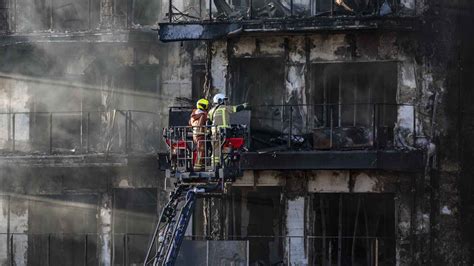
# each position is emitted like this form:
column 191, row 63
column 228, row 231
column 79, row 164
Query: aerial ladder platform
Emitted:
column 216, row 176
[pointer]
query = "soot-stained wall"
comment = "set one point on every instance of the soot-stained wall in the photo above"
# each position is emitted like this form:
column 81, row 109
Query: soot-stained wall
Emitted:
column 429, row 211
column 425, row 76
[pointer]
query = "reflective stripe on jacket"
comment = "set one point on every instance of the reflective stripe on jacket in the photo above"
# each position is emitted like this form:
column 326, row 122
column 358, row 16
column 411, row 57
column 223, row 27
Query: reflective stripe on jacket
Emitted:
column 220, row 114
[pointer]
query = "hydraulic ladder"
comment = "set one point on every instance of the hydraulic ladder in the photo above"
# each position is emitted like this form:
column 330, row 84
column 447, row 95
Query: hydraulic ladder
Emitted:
column 171, row 226
column 169, row 232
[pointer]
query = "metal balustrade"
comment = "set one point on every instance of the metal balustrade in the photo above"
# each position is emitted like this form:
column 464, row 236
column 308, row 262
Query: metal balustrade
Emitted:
column 334, row 126
column 295, row 127
column 215, row 144
column 129, row 248
column 116, row 131
column 226, row 10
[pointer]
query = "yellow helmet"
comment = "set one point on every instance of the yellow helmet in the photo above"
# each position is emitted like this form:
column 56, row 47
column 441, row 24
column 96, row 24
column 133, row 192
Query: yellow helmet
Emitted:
column 202, row 104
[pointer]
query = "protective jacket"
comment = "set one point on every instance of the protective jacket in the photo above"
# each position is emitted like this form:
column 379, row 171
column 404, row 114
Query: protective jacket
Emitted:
column 219, row 114
column 198, row 121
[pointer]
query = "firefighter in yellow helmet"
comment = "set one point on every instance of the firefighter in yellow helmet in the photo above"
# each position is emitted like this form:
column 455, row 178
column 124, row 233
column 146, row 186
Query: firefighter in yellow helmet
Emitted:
column 219, row 116
column 198, row 121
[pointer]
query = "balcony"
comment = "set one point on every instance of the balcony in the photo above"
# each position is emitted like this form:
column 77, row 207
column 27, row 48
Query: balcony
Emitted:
column 88, row 21
column 327, row 136
column 357, row 126
column 334, row 136
column 214, row 19
column 60, row 248
column 282, row 137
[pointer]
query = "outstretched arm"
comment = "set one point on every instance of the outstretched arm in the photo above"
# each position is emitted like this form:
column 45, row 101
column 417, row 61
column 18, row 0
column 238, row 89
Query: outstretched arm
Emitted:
column 240, row 107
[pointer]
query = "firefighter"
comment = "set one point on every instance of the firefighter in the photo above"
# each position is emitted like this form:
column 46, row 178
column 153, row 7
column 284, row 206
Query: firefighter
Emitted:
column 219, row 117
column 198, row 121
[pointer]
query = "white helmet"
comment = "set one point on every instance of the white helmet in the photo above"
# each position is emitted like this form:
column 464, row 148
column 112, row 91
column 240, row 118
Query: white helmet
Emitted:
column 219, row 98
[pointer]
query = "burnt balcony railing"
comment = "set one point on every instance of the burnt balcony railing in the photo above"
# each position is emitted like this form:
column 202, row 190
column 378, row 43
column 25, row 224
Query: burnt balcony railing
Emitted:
column 355, row 126
column 333, row 126
column 116, row 131
column 229, row 10
column 73, row 248
column 128, row 249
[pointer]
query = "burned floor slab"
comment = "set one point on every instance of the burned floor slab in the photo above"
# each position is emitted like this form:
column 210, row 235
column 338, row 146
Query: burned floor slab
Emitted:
column 187, row 31
column 411, row 161
column 111, row 160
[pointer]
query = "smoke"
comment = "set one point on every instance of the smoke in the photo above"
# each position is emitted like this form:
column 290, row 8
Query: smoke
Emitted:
column 66, row 223
column 93, row 79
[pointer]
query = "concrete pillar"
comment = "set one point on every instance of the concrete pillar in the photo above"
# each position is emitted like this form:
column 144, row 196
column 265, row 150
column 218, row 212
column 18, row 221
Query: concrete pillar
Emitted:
column 404, row 241
column 106, row 13
column 295, row 243
column 4, row 211
column 4, row 16
column 219, row 64
column 105, row 229
column 214, row 218
column 295, row 71
column 245, row 214
column 18, row 225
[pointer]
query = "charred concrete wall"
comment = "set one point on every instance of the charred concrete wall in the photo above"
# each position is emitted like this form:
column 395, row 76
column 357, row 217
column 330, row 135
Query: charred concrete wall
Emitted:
column 431, row 210
column 280, row 214
column 299, row 54
column 428, row 206
column 448, row 189
column 466, row 133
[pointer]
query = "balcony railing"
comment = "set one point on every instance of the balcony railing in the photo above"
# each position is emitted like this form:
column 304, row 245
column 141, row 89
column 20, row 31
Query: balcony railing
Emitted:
column 73, row 248
column 129, row 248
column 229, row 10
column 81, row 17
column 295, row 127
column 117, row 131
column 333, row 126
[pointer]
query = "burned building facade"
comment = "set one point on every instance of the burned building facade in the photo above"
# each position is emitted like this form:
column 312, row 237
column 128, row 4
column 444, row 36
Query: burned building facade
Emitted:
column 80, row 94
column 359, row 148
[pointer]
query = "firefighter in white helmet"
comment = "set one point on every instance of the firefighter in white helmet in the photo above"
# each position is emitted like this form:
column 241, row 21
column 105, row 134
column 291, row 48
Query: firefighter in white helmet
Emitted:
column 219, row 117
